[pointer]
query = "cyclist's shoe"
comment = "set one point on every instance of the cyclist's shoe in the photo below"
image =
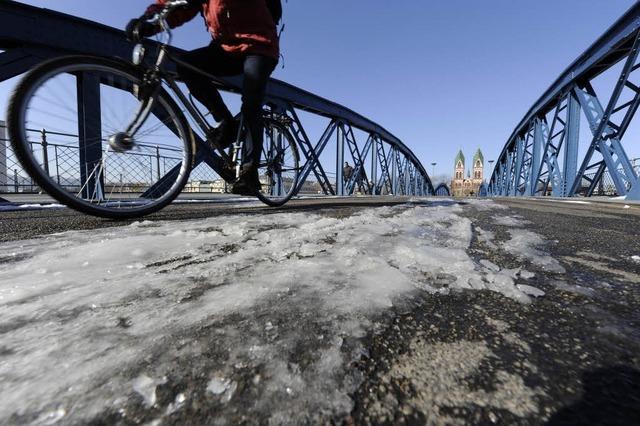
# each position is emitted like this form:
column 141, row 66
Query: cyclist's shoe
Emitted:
column 224, row 135
column 248, row 184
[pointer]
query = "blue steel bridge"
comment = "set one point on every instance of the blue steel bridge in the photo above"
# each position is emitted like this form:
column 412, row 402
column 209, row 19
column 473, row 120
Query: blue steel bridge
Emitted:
column 548, row 153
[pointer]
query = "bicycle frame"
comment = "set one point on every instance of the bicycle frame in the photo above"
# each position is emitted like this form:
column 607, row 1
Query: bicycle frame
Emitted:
column 155, row 75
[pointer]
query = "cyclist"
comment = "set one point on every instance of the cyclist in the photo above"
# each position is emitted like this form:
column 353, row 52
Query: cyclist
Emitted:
column 245, row 41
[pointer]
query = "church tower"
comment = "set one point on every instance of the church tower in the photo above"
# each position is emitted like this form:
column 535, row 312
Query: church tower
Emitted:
column 457, row 185
column 459, row 166
column 478, row 168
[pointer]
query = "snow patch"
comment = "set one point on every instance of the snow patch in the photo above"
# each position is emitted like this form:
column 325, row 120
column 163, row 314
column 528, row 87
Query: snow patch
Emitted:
column 510, row 221
column 484, row 205
column 526, row 245
column 146, row 388
column 97, row 303
column 575, row 289
column 177, row 404
column 221, row 386
column 50, row 417
column 490, row 265
column 487, row 238
column 526, row 274
column 573, row 201
column 18, row 207
column 531, row 291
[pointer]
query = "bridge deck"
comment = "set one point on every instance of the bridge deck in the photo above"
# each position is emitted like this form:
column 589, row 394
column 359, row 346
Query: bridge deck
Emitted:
column 335, row 321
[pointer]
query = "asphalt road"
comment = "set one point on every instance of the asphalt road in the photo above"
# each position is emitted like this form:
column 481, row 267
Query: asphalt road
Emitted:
column 578, row 347
column 572, row 356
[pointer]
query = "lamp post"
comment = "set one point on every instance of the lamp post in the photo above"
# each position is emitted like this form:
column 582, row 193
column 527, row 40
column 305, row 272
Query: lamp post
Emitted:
column 433, row 173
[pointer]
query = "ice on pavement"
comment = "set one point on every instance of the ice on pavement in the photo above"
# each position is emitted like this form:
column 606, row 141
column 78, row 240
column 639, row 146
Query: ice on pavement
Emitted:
column 486, row 237
column 146, row 387
column 510, row 221
column 9, row 207
column 91, row 320
column 527, row 245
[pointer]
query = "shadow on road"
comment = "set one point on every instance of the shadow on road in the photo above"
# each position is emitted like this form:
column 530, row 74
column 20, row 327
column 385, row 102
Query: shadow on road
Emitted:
column 611, row 396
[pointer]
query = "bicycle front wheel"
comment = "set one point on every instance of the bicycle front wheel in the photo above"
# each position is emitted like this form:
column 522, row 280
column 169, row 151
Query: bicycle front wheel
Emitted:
column 60, row 119
column 279, row 166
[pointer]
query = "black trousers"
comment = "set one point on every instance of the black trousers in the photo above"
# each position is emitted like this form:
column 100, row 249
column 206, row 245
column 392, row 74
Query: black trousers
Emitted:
column 215, row 61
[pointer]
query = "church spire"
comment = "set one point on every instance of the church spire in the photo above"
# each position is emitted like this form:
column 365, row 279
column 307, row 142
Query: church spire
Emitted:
column 478, row 156
column 459, row 158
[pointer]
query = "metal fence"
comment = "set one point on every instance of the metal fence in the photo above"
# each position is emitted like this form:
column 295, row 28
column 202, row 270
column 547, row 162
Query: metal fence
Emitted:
column 60, row 155
column 606, row 185
column 13, row 179
column 130, row 173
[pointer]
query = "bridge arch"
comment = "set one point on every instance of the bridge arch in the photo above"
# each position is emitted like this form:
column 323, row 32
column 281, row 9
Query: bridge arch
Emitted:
column 442, row 190
column 541, row 157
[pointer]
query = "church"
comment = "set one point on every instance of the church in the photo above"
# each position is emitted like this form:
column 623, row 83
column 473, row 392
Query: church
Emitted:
column 469, row 186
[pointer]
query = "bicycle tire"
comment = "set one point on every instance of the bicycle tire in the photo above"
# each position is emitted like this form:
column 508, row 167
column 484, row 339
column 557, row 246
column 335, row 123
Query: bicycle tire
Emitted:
column 122, row 74
column 269, row 167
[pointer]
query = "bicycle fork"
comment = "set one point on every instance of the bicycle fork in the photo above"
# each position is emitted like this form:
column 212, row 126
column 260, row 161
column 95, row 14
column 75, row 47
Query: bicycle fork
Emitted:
column 125, row 140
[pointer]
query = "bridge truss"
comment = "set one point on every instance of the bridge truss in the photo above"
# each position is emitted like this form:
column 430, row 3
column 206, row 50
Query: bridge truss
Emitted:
column 549, row 154
column 382, row 164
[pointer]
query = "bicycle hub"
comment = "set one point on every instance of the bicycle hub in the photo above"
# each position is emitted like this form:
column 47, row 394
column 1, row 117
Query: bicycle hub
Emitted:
column 121, row 142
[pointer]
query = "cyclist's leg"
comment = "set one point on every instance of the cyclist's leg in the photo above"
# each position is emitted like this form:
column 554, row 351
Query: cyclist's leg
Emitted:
column 257, row 70
column 215, row 61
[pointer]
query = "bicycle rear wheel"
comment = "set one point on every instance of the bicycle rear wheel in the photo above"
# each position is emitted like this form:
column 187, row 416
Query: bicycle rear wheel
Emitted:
column 60, row 118
column 278, row 169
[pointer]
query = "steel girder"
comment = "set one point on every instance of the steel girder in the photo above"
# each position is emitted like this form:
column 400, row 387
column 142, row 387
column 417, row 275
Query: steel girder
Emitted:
column 385, row 183
column 359, row 178
column 399, row 175
column 23, row 47
column 89, row 128
column 483, row 191
column 542, row 158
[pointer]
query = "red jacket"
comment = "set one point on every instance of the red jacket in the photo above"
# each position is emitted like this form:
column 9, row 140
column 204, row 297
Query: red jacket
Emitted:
column 240, row 26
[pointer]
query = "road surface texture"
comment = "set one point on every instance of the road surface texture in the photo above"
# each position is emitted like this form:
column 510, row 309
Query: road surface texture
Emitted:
column 364, row 311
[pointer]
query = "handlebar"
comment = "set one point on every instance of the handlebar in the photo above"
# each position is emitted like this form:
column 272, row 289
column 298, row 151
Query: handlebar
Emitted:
column 169, row 7
column 160, row 18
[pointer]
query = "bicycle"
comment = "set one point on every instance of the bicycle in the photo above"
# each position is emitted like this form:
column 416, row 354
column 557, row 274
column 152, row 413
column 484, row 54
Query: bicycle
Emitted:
column 127, row 120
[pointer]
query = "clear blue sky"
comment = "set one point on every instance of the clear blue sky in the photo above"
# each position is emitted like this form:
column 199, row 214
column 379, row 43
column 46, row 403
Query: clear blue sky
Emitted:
column 441, row 75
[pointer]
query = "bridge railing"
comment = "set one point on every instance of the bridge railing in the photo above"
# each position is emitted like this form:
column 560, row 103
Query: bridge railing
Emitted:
column 382, row 163
column 542, row 155
column 127, row 172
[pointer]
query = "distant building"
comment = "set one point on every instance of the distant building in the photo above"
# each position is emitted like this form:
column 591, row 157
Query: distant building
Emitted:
column 462, row 186
column 204, row 186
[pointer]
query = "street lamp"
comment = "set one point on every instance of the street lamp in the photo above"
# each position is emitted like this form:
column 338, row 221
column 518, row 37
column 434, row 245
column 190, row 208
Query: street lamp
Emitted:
column 434, row 169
